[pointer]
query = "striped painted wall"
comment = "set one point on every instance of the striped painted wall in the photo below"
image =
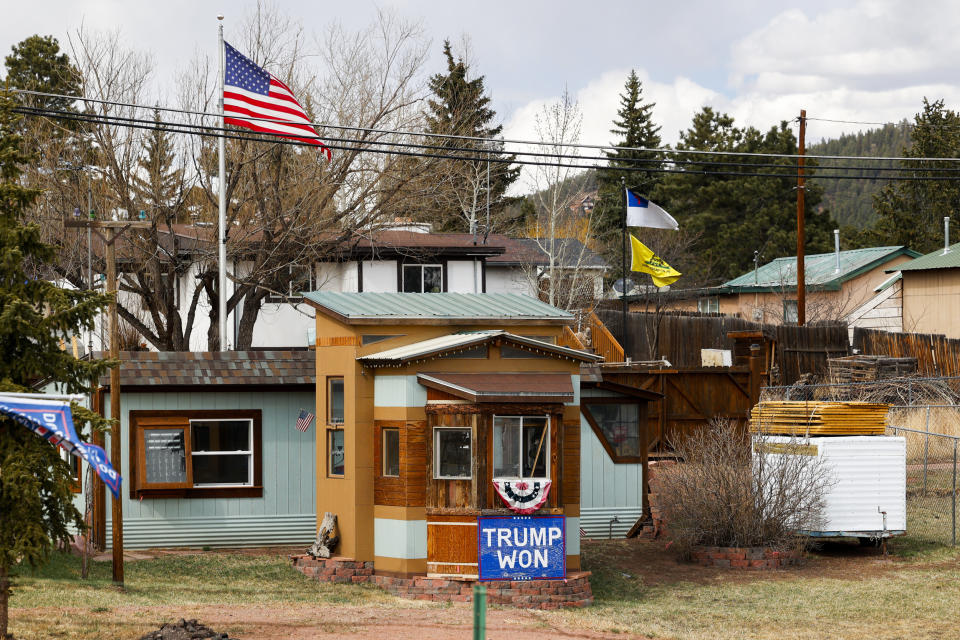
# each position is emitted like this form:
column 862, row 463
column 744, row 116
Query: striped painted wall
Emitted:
column 285, row 514
column 607, row 490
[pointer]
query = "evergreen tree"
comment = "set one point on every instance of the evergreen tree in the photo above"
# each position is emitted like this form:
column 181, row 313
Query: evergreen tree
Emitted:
column 460, row 107
column 36, row 503
column 36, row 64
column 160, row 184
column 910, row 212
column 634, row 127
column 732, row 215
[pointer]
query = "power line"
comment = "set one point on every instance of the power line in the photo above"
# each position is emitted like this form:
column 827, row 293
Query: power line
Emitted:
column 472, row 155
column 611, row 147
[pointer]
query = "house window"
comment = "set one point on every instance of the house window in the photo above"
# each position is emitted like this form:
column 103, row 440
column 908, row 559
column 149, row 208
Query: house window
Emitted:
column 790, row 315
column 521, row 447
column 334, row 400
column 222, row 452
column 335, row 452
column 196, row 453
column 299, row 278
column 391, row 452
column 709, row 304
column 76, row 469
column 422, row 278
column 451, row 453
column 618, row 425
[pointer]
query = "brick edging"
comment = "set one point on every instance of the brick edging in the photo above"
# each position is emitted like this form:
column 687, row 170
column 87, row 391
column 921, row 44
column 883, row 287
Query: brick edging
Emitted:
column 574, row 591
column 756, row 558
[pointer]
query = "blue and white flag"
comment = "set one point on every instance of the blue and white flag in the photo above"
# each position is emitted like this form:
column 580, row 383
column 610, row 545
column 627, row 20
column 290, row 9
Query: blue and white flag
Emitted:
column 53, row 420
column 643, row 213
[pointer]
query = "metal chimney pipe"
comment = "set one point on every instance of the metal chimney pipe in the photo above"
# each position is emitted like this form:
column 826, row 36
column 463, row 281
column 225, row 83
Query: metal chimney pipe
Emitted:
column 836, row 249
column 946, row 235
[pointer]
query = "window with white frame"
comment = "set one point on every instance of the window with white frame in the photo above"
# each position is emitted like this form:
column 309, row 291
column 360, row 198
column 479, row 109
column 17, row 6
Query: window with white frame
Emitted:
column 790, row 314
column 222, row 452
column 521, row 446
column 422, row 278
column 708, row 304
column 451, row 453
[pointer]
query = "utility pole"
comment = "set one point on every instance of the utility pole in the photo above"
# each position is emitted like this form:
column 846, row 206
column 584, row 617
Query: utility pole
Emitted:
column 801, row 188
column 114, row 230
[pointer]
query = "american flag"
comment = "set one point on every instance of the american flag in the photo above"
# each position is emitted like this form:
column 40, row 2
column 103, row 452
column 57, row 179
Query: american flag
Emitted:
column 255, row 99
column 303, row 422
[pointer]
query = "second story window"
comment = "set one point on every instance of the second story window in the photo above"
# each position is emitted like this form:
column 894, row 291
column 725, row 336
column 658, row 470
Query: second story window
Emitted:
column 299, row 278
column 422, row 278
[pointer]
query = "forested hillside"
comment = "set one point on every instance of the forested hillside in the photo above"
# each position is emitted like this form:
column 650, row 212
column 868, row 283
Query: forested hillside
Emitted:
column 851, row 201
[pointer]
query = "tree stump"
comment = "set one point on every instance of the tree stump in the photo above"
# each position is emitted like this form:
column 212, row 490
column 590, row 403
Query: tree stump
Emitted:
column 327, row 539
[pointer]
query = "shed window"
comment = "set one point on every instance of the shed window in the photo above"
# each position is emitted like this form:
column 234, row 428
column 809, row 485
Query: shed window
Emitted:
column 451, row 453
column 521, row 446
column 620, row 426
column 335, row 452
column 334, row 400
column 391, row 452
column 201, row 453
column 422, row 278
column 222, row 452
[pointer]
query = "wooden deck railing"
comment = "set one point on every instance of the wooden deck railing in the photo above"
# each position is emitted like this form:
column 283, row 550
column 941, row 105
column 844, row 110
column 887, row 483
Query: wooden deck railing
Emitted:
column 570, row 340
column 603, row 342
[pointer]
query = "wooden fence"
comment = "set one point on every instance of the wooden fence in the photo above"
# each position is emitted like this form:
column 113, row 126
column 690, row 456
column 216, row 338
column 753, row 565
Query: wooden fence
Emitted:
column 936, row 355
column 679, row 338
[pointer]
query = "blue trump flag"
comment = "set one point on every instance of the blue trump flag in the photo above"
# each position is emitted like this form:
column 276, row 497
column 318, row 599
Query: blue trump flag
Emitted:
column 53, row 420
column 521, row 547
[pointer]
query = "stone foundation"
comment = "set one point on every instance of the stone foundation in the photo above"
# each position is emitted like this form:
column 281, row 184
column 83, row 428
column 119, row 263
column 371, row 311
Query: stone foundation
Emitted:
column 755, row 558
column 574, row 591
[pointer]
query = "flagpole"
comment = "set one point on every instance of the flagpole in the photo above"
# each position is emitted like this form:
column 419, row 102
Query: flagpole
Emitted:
column 222, row 218
column 623, row 278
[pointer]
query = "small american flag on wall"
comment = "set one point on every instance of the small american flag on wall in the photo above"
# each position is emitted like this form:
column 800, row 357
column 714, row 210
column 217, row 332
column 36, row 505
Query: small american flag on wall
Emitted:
column 303, row 422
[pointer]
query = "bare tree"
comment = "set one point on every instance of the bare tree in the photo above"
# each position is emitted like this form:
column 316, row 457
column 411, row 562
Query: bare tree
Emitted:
column 562, row 277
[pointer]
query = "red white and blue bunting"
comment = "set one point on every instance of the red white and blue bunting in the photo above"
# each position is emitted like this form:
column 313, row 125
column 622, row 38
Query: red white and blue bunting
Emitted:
column 524, row 496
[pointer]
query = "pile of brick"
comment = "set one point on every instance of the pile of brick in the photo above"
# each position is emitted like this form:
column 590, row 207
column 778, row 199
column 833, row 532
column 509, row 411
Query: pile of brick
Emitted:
column 757, row 558
column 574, row 591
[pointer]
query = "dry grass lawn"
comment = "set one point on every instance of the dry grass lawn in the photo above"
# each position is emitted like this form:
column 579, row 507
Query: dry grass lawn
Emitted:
column 844, row 591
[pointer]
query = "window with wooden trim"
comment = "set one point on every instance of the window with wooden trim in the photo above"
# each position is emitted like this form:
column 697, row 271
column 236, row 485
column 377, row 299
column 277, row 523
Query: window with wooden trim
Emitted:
column 521, row 447
column 203, row 453
column 619, row 426
column 76, row 470
column 391, row 452
column 452, row 457
column 335, row 414
column 335, row 453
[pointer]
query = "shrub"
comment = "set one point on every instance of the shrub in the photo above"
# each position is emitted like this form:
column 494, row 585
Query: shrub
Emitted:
column 721, row 494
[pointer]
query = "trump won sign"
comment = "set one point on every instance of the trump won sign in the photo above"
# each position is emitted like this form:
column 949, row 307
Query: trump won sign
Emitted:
column 521, row 547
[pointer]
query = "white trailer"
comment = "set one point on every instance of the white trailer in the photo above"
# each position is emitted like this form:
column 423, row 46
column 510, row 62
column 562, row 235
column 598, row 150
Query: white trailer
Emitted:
column 867, row 496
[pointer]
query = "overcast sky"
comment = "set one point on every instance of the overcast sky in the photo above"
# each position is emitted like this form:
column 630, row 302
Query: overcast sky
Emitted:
column 759, row 60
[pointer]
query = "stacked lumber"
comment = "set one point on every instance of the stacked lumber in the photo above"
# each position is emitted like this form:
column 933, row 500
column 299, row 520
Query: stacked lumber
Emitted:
column 811, row 418
column 866, row 368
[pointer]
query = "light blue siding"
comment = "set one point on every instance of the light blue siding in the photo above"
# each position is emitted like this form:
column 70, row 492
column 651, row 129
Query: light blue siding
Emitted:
column 572, row 527
column 607, row 490
column 285, row 514
column 400, row 538
column 398, row 391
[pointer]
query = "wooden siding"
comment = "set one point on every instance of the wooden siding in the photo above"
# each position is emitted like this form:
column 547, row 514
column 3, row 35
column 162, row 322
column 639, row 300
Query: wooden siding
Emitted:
column 409, row 488
column 570, row 483
column 286, row 514
column 452, row 546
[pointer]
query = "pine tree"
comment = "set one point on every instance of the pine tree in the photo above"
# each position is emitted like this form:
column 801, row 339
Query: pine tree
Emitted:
column 36, row 64
column 909, row 212
column 36, row 504
column 160, row 184
column 460, row 107
column 634, row 127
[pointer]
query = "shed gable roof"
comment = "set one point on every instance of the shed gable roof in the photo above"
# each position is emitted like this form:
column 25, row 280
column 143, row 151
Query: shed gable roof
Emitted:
column 934, row 260
column 215, row 370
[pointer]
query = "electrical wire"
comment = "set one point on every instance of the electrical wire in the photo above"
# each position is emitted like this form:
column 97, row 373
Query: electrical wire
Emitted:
column 660, row 150
column 472, row 155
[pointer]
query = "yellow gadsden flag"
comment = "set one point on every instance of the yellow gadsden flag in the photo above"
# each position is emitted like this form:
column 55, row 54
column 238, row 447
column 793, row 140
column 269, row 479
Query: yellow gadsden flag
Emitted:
column 647, row 261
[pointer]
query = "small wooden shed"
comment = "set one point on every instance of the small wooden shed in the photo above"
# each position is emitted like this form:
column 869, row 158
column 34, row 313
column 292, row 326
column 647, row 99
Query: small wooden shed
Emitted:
column 440, row 410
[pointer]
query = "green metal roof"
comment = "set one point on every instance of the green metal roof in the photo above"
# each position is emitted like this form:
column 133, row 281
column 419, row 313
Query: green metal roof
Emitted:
column 461, row 308
column 934, row 260
column 820, row 270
